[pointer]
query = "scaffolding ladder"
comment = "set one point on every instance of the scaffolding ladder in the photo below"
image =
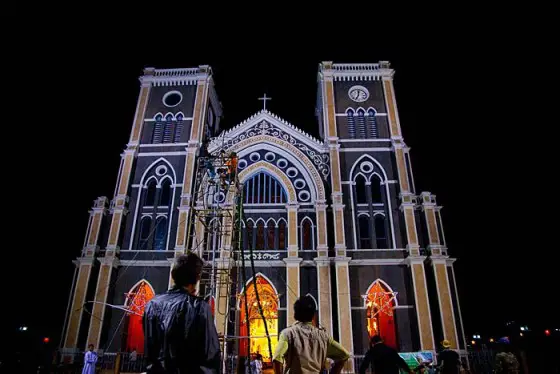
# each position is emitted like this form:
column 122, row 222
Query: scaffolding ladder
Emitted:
column 214, row 233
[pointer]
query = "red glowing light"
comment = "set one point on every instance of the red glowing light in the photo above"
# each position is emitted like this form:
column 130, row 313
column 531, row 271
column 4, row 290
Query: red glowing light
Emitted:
column 547, row 332
column 46, row 339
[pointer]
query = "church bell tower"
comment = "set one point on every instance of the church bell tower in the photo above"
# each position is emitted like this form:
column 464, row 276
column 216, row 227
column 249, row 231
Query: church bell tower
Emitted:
column 136, row 235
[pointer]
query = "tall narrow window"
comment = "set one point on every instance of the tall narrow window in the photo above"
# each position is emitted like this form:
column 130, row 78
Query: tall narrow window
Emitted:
column 372, row 124
column 351, row 123
column 306, row 234
column 376, row 196
column 165, row 194
column 249, row 234
column 282, row 235
column 157, row 136
column 361, row 194
column 270, row 236
column 151, row 193
column 264, row 189
column 365, row 237
column 260, row 236
column 178, row 128
column 145, row 227
column 167, row 129
column 380, row 232
column 361, row 124
column 160, row 234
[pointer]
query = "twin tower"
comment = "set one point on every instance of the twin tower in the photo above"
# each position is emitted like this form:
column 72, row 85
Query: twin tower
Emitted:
column 338, row 218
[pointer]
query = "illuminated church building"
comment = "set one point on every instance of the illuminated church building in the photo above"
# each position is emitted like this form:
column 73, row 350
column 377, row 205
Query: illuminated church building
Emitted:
column 337, row 217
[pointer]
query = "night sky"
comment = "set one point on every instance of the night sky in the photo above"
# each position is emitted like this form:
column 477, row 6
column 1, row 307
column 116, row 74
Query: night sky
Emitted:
column 473, row 108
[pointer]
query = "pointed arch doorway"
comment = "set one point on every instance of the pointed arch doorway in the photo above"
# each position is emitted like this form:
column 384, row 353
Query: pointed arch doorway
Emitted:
column 380, row 303
column 269, row 300
column 136, row 300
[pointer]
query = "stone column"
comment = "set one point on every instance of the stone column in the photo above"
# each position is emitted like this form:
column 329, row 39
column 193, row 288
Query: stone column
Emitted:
column 85, row 264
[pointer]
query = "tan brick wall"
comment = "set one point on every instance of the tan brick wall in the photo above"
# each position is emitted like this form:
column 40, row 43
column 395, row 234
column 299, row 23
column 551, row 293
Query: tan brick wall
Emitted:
column 409, row 220
column 345, row 315
column 139, row 120
column 198, row 111
column 181, row 229
column 335, row 170
column 432, row 230
column 292, row 293
column 321, row 227
column 339, row 224
column 292, row 227
column 115, row 225
column 99, row 307
column 329, row 88
column 125, row 175
column 401, row 165
column 77, row 306
column 324, row 297
column 392, row 110
column 188, row 177
column 449, row 330
column 422, row 306
column 94, row 229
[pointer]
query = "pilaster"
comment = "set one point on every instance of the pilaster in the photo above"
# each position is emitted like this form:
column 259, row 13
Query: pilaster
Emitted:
column 84, row 265
column 321, row 212
column 324, row 292
column 108, row 263
column 391, row 104
column 292, row 283
column 140, row 109
column 445, row 302
column 293, row 246
column 407, row 208
column 421, row 300
column 345, row 325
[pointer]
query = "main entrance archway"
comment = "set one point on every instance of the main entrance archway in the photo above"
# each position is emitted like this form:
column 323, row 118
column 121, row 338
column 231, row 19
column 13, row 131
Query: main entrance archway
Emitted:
column 136, row 301
column 380, row 319
column 269, row 302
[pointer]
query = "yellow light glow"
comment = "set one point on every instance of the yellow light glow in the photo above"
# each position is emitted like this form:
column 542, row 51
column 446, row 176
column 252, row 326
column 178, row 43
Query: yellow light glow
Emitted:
column 473, row 342
column 491, row 340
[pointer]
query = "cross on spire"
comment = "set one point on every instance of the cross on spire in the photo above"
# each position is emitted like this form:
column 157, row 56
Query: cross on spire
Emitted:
column 264, row 99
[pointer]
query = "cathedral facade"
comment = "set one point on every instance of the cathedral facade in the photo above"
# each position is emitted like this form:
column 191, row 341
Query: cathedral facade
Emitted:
column 336, row 217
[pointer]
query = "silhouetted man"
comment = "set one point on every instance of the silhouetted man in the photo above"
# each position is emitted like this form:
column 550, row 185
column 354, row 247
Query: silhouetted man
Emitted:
column 383, row 359
column 178, row 326
column 448, row 360
column 304, row 348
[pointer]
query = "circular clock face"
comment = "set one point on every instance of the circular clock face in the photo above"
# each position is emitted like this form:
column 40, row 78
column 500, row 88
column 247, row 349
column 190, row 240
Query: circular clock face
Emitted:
column 358, row 93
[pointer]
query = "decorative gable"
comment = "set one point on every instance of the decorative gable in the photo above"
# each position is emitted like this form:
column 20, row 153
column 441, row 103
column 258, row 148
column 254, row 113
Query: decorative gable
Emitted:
column 265, row 123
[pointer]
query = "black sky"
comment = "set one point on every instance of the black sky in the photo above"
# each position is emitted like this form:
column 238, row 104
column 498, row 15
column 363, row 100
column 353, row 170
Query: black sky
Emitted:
column 473, row 108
